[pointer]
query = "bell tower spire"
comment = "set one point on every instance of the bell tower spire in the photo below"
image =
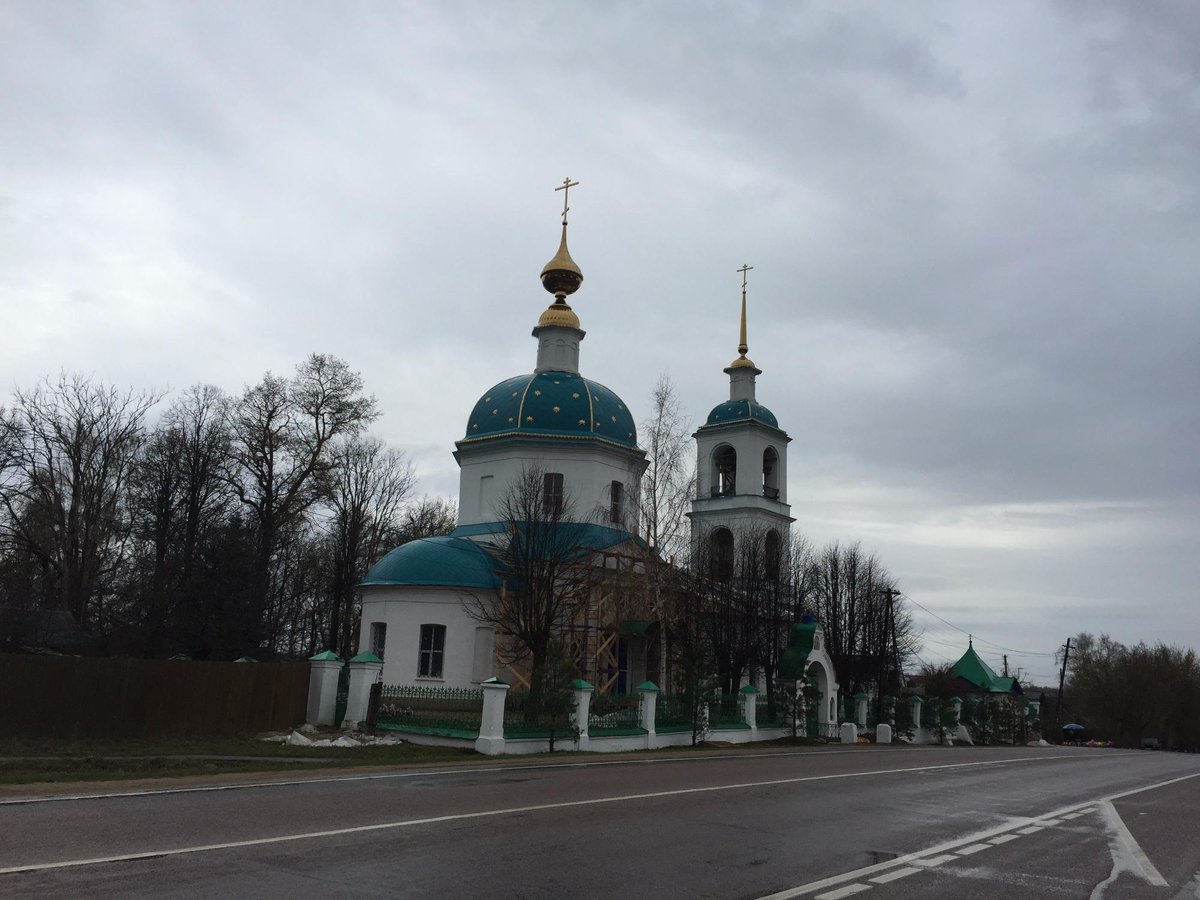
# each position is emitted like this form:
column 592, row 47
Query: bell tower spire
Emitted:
column 742, row 371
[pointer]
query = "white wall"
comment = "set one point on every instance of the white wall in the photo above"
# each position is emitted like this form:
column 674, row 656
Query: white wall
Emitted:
column 588, row 471
column 405, row 610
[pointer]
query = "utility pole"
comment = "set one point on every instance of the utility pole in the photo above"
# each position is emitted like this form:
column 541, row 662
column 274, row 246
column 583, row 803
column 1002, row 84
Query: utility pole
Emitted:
column 1062, row 680
column 894, row 651
column 1005, row 665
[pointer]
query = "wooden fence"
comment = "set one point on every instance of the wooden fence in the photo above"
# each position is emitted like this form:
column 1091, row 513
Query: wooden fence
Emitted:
column 87, row 697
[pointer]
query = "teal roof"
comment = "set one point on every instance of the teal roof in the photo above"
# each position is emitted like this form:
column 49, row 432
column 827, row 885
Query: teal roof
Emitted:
column 455, row 561
column 972, row 669
column 447, row 561
column 741, row 411
column 557, row 405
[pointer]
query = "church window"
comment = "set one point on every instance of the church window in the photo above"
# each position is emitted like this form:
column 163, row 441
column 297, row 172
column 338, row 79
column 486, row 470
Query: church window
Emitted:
column 770, row 474
column 552, row 493
column 720, row 546
column 433, row 651
column 616, row 497
column 724, row 471
column 378, row 638
column 771, row 554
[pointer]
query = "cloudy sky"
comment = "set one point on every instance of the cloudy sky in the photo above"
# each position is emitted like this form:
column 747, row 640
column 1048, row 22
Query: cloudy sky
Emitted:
column 975, row 229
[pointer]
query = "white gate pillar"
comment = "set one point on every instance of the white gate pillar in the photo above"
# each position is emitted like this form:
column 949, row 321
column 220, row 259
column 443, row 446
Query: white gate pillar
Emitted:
column 364, row 672
column 648, row 710
column 491, row 726
column 750, row 708
column 583, row 709
column 323, row 672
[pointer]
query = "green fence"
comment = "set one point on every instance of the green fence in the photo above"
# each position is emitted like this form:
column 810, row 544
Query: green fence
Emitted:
column 671, row 714
column 726, row 713
column 765, row 717
column 615, row 714
column 452, row 712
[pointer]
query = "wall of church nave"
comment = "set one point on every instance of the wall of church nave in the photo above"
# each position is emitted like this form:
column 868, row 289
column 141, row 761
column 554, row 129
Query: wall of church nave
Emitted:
column 429, row 637
column 485, row 478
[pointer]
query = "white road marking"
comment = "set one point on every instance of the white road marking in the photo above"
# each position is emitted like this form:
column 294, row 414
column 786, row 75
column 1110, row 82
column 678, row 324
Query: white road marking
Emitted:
column 894, row 875
column 932, row 861
column 832, row 880
column 1138, row 862
column 434, row 773
column 848, row 891
column 1003, row 839
column 1074, row 815
column 1049, row 823
column 974, row 848
column 1030, row 830
column 482, row 814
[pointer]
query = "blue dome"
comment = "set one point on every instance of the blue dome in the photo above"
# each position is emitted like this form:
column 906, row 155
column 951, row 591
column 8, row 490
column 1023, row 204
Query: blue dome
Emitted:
column 559, row 405
column 741, row 411
column 435, row 562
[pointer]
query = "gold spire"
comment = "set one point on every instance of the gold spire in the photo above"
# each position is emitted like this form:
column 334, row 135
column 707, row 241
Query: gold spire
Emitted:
column 561, row 276
column 742, row 362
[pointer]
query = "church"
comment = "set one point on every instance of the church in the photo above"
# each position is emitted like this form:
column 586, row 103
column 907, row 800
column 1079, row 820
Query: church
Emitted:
column 581, row 440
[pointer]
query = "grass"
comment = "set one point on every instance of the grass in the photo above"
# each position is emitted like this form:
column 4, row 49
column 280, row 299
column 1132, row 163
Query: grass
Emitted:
column 26, row 761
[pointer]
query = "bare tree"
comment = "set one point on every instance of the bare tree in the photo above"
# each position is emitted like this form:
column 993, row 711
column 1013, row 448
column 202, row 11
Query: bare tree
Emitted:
column 69, row 448
column 367, row 488
column 670, row 474
column 545, row 564
column 868, row 632
column 427, row 517
column 283, row 436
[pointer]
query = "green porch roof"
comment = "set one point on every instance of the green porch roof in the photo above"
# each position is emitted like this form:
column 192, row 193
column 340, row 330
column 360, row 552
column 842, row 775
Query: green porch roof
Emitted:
column 972, row 669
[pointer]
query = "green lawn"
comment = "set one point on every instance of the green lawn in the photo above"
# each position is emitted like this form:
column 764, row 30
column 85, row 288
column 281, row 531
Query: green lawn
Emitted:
column 24, row 761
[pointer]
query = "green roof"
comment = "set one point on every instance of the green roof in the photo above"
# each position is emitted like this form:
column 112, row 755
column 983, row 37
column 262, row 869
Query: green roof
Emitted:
column 556, row 405
column 741, row 411
column 447, row 561
column 455, row 561
column 972, row 669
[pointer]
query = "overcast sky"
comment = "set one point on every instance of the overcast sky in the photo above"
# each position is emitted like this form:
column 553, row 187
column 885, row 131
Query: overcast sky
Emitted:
column 975, row 229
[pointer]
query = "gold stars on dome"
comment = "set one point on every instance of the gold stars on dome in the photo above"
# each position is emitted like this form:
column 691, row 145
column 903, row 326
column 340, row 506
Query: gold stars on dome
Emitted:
column 582, row 422
column 555, row 409
column 742, row 362
column 575, row 396
column 529, row 418
column 537, row 393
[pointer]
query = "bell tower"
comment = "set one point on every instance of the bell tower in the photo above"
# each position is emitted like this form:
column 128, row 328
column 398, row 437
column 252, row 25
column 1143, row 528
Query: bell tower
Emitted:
column 741, row 471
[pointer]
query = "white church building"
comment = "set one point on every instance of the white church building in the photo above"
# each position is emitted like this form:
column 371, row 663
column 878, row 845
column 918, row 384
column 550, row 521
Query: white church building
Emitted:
column 582, row 438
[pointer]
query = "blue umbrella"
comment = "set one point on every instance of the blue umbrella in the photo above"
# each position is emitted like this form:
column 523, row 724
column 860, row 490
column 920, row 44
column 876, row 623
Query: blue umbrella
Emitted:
column 1073, row 727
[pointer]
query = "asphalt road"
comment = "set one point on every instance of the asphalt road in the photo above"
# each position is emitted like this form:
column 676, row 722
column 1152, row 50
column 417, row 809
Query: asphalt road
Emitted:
column 894, row 822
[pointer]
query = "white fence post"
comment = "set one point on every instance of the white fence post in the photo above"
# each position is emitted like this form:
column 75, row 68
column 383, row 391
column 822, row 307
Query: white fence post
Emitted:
column 323, row 672
column 849, row 733
column 860, row 709
column 916, row 701
column 491, row 726
column 750, row 708
column 583, row 708
column 883, row 733
column 648, row 710
column 364, row 672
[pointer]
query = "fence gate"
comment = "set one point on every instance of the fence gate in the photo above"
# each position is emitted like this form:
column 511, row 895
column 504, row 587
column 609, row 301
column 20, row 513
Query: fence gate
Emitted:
column 343, row 696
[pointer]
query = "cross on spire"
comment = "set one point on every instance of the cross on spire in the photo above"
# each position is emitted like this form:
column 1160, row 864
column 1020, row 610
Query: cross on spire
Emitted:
column 742, row 346
column 565, row 187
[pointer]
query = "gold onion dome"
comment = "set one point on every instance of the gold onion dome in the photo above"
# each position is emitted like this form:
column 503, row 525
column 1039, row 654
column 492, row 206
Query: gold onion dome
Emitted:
column 561, row 276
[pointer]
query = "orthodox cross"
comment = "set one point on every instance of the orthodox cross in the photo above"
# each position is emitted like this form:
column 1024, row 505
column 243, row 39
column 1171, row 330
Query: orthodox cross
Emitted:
column 744, row 269
column 565, row 187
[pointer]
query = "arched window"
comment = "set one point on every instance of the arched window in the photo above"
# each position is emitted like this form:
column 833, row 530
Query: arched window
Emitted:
column 770, row 474
column 724, row 471
column 720, row 548
column 771, row 554
column 552, row 494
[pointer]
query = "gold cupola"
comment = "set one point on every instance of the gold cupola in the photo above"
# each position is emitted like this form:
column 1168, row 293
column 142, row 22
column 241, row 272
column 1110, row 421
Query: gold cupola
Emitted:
column 561, row 276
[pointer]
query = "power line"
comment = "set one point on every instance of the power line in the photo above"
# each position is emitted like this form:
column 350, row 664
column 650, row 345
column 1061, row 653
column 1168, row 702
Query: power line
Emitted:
column 976, row 637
